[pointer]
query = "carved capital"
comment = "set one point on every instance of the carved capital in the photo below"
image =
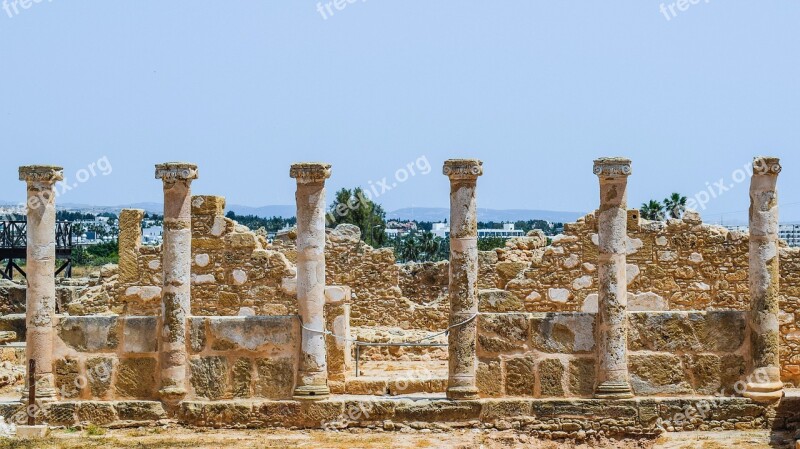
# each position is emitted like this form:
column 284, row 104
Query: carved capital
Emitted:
column 612, row 167
column 766, row 165
column 462, row 168
column 310, row 172
column 176, row 171
column 41, row 173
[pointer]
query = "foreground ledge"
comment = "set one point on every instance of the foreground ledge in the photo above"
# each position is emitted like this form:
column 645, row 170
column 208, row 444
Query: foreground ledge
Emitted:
column 554, row 418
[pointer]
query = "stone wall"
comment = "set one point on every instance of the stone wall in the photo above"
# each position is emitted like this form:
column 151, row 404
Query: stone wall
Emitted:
column 115, row 357
column 553, row 354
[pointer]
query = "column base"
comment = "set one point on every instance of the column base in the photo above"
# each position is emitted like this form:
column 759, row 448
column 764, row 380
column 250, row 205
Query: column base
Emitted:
column 172, row 395
column 764, row 392
column 613, row 390
column 464, row 393
column 311, row 393
column 42, row 394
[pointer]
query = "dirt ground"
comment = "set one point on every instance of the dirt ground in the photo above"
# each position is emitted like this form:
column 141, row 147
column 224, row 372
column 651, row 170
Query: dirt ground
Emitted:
column 462, row 439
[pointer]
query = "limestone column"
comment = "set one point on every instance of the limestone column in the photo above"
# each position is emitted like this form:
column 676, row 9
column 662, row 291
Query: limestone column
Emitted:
column 41, row 266
column 312, row 374
column 176, row 261
column 612, row 230
column 764, row 383
column 462, row 340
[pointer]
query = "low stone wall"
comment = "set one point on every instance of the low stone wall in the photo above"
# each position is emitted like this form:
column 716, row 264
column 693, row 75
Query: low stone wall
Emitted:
column 115, row 357
column 553, row 354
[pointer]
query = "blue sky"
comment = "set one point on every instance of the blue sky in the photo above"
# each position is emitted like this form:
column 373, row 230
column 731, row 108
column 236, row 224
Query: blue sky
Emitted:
column 536, row 89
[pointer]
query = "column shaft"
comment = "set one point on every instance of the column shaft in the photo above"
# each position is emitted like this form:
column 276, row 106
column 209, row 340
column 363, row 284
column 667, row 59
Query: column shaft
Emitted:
column 463, row 288
column 312, row 375
column 764, row 383
column 176, row 262
column 613, row 286
column 41, row 260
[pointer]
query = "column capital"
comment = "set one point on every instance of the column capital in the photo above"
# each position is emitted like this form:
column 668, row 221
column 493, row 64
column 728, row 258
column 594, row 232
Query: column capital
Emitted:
column 457, row 169
column 612, row 167
column 176, row 171
column 41, row 173
column 310, row 172
column 766, row 165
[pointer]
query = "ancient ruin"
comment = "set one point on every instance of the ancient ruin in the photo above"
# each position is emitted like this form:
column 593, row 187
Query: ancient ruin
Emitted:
column 618, row 326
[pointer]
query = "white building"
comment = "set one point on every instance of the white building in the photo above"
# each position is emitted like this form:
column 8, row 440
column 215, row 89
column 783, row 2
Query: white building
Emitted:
column 443, row 230
column 788, row 232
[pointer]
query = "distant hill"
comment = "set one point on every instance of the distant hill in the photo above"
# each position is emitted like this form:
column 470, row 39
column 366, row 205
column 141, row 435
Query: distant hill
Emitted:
column 263, row 211
column 443, row 213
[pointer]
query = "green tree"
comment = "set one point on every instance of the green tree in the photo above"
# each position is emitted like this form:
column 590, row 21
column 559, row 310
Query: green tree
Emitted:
column 675, row 205
column 652, row 210
column 353, row 207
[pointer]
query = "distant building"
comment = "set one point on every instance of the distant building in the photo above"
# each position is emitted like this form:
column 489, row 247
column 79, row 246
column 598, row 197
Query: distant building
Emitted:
column 443, row 230
column 788, row 232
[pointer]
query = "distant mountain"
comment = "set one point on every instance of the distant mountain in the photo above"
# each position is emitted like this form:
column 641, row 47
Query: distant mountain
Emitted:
column 443, row 213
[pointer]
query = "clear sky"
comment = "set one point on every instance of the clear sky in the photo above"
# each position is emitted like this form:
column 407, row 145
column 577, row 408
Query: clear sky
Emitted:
column 536, row 89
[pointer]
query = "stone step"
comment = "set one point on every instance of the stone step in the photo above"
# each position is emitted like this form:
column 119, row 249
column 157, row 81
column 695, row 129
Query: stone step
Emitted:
column 385, row 386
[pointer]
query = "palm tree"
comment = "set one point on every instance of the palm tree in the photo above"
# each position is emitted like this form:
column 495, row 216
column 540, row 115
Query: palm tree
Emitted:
column 428, row 246
column 652, row 211
column 675, row 205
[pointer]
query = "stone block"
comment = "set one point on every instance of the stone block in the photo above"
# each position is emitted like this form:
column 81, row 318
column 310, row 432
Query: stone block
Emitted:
column 496, row 300
column 140, row 334
column 502, row 332
column 14, row 323
column 582, row 376
column 136, row 378
column 489, row 378
column 437, row 411
column 61, row 413
column 551, row 377
column 98, row 413
column 520, row 378
column 706, row 372
column 67, row 375
column 89, row 333
column 242, row 376
column 254, row 333
column 140, row 410
column 99, row 372
column 714, row 331
column 653, row 374
column 209, row 377
column 197, row 333
column 563, row 333
column 275, row 378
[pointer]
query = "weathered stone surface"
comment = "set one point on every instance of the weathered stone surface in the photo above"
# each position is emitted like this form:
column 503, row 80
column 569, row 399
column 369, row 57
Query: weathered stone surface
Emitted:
column 581, row 376
column 437, row 411
column 98, row 413
column 497, row 300
column 14, row 323
column 714, row 331
column 61, row 413
column 140, row 334
column 136, row 378
column 705, row 372
column 99, row 372
column 242, row 375
column 89, row 334
column 502, row 332
column 657, row 374
column 275, row 378
column 551, row 376
column 520, row 379
column 140, row 410
column 251, row 333
column 67, row 373
column 490, row 378
column 197, row 333
column 209, row 376
column 563, row 333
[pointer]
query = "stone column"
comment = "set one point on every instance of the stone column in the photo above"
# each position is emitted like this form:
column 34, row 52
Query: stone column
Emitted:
column 176, row 261
column 462, row 340
column 41, row 267
column 764, row 383
column 312, row 374
column 612, row 230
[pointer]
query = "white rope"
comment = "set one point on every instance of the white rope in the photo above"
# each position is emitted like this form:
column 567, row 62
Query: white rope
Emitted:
column 353, row 340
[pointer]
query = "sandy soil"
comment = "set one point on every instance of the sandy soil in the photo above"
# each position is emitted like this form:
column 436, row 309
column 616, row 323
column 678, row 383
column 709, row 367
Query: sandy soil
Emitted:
column 191, row 438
